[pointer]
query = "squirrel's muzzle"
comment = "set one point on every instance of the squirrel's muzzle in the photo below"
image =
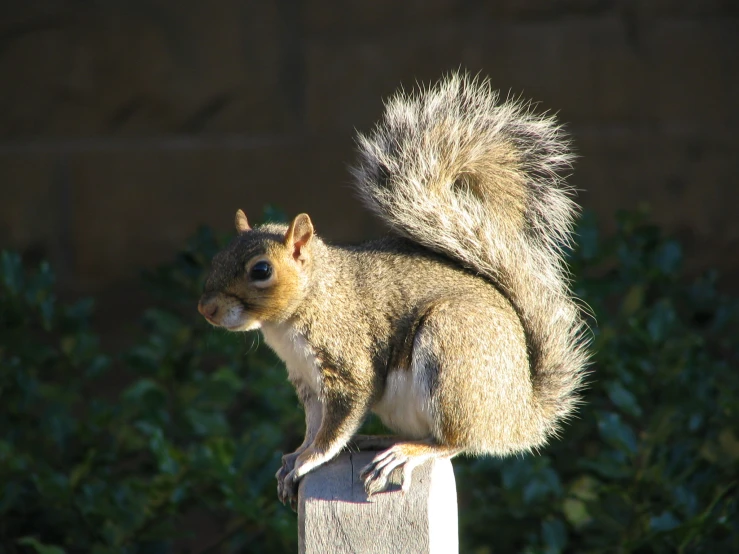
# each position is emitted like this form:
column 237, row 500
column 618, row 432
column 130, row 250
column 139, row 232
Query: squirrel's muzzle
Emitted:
column 208, row 307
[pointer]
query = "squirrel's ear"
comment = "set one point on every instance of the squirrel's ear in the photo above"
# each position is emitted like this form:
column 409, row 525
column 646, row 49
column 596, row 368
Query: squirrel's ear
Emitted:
column 242, row 225
column 298, row 236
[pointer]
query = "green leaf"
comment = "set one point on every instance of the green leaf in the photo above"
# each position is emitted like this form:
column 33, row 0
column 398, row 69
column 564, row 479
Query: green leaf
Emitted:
column 554, row 533
column 616, row 433
column 97, row 366
column 623, row 399
column 588, row 237
column 39, row 547
column 207, row 423
column 576, row 512
column 584, row 488
column 228, row 377
column 668, row 257
column 666, row 521
column 661, row 321
column 633, row 300
column 81, row 310
column 80, row 471
column 46, row 308
column 11, row 271
column 146, row 394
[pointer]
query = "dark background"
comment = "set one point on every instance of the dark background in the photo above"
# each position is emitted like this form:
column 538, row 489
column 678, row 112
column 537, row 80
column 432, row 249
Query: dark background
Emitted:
column 126, row 124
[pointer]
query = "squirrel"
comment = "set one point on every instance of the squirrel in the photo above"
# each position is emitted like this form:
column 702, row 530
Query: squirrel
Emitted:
column 459, row 330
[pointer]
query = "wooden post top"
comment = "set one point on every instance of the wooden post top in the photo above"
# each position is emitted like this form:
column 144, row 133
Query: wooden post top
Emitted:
column 335, row 515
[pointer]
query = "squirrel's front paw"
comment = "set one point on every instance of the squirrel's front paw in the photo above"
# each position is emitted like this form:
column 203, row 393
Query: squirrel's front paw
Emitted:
column 283, row 490
column 287, row 487
column 288, row 464
column 281, row 474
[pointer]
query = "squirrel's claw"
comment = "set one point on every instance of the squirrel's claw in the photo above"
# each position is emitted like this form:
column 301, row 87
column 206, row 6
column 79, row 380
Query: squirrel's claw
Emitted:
column 287, row 487
column 376, row 474
column 287, row 490
column 409, row 455
column 288, row 464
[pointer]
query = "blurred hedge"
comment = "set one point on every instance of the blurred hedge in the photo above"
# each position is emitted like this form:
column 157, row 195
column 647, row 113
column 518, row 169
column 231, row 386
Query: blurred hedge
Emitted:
column 195, row 432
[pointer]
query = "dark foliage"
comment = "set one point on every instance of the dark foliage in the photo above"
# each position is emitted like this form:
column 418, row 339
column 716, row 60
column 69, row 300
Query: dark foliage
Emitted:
column 651, row 464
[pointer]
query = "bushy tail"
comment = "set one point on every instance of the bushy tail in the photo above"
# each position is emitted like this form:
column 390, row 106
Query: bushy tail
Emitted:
column 479, row 180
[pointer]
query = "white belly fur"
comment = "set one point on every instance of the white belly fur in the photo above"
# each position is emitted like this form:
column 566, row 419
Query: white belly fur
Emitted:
column 404, row 406
column 300, row 359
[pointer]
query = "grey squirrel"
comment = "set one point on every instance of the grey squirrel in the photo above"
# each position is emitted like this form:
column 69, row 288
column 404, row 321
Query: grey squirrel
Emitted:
column 460, row 330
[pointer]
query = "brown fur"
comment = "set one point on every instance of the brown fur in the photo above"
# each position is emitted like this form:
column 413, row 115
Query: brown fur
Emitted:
column 475, row 349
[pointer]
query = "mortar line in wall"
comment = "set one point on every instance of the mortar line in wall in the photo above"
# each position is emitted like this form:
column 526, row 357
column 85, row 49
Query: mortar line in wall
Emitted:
column 159, row 143
column 238, row 141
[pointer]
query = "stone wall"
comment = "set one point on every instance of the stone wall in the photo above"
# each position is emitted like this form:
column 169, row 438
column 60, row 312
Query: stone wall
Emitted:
column 124, row 125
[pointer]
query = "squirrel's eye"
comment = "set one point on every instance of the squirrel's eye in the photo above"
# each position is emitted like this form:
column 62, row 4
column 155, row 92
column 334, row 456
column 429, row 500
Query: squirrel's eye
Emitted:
column 261, row 271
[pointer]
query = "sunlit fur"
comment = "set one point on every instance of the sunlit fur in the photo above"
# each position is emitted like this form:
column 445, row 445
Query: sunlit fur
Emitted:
column 244, row 304
column 480, row 180
column 460, row 331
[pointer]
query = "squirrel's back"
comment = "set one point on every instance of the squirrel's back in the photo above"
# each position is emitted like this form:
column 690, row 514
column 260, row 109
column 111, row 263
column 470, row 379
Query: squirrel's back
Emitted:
column 480, row 181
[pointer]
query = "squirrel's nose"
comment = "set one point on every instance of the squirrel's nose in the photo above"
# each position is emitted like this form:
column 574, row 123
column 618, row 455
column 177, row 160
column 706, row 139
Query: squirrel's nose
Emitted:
column 208, row 309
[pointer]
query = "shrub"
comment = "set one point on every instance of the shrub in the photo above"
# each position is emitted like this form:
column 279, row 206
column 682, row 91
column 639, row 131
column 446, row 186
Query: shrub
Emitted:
column 196, row 430
column 196, row 433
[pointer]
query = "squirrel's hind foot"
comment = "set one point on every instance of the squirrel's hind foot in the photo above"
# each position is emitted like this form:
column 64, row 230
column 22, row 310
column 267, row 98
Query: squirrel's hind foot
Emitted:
column 409, row 455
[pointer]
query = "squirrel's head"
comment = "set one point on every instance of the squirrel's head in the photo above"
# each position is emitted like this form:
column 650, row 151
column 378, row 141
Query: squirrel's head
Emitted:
column 261, row 276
